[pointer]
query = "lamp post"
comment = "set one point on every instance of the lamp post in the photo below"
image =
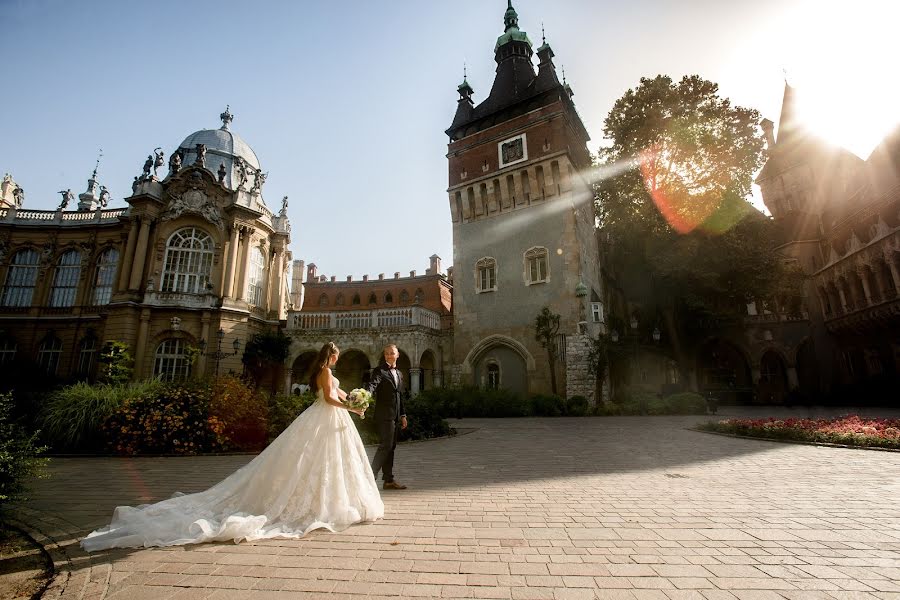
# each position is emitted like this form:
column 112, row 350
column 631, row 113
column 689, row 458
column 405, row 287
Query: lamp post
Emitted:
column 218, row 354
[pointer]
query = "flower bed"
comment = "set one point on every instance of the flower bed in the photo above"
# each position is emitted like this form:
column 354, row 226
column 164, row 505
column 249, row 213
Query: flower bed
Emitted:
column 850, row 430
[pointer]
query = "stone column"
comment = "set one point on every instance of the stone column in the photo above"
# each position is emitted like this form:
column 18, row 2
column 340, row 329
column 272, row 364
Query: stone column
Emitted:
column 140, row 255
column 204, row 335
column 861, row 273
column 128, row 259
column 792, row 380
column 232, row 260
column 241, row 292
column 414, row 376
column 141, row 345
column 844, row 306
column 895, row 275
column 277, row 275
column 266, row 275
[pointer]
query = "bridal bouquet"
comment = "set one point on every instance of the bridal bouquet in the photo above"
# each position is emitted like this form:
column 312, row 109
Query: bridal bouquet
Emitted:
column 359, row 399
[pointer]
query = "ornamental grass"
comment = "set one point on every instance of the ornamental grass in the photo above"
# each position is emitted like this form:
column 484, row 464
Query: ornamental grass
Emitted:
column 850, row 430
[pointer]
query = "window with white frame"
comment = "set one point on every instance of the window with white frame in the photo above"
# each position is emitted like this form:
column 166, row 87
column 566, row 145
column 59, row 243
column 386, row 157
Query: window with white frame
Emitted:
column 87, row 354
column 512, row 150
column 486, row 275
column 536, row 265
column 256, row 277
column 171, row 362
column 65, row 279
column 189, row 255
column 597, row 312
column 20, row 278
column 104, row 272
column 8, row 349
column 48, row 355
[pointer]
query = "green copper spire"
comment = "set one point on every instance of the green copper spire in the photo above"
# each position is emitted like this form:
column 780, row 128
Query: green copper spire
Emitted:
column 511, row 28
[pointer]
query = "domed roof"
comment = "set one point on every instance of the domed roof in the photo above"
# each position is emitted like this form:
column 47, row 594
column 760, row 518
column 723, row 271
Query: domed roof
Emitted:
column 222, row 147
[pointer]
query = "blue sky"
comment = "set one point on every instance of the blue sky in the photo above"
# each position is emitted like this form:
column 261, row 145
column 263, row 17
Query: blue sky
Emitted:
column 345, row 103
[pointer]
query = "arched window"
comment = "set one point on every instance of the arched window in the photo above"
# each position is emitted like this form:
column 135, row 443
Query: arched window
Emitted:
column 388, row 298
column 356, row 300
column 20, row 278
column 8, row 347
column 493, row 376
column 372, row 298
column 65, row 279
column 87, row 354
column 323, row 300
column 104, row 273
column 404, row 297
column 339, row 299
column 536, row 270
column 171, row 363
column 486, row 275
column 48, row 354
column 256, row 277
column 189, row 255
column 419, row 297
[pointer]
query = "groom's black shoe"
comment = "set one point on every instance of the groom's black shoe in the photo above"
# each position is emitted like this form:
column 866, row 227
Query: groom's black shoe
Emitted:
column 393, row 485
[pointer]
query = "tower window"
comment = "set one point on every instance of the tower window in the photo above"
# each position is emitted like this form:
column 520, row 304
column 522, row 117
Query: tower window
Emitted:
column 536, row 270
column 486, row 275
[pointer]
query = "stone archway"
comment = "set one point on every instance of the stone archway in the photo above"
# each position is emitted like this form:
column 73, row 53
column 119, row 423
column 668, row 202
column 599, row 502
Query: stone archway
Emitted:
column 773, row 384
column 724, row 372
column 301, row 370
column 352, row 368
column 427, row 366
column 500, row 366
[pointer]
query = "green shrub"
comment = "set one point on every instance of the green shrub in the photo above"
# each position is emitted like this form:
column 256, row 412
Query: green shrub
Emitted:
column 19, row 452
column 686, row 403
column 115, row 363
column 73, row 416
column 284, row 408
column 577, row 406
column 424, row 421
column 175, row 420
column 502, row 403
column 547, row 405
column 242, row 409
column 472, row 402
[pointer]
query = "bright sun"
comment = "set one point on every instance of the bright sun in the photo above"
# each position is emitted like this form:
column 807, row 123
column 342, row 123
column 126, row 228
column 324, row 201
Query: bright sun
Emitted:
column 841, row 58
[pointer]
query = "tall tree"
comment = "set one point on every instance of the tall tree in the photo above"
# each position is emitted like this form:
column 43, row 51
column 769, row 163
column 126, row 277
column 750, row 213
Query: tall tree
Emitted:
column 265, row 354
column 546, row 327
column 686, row 243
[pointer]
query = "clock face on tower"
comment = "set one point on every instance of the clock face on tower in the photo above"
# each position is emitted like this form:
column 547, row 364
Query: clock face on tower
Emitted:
column 512, row 150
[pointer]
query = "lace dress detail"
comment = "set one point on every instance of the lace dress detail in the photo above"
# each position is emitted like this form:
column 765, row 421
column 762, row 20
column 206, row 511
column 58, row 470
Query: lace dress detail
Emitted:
column 314, row 475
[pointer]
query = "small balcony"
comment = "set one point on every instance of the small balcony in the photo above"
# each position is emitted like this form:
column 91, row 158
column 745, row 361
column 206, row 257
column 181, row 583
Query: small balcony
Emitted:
column 385, row 318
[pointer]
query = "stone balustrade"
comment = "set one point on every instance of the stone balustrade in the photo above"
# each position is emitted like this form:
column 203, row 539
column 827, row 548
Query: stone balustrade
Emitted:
column 383, row 318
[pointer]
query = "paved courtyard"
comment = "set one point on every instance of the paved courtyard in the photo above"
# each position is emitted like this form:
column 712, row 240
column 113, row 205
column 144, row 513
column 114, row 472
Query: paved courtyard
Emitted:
column 622, row 508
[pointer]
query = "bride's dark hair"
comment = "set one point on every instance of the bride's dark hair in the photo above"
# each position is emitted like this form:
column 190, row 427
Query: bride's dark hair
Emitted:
column 321, row 362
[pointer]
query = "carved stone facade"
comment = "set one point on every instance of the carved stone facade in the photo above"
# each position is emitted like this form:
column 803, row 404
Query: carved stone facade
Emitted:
column 189, row 256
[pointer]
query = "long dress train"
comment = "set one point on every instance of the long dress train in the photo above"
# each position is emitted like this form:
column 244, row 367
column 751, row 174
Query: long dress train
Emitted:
column 314, row 475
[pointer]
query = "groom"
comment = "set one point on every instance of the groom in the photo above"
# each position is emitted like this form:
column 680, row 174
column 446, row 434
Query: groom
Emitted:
column 386, row 386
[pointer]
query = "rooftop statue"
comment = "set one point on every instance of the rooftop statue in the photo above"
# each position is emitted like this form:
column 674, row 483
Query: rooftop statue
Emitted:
column 104, row 196
column 67, row 196
column 221, row 173
column 175, row 162
column 160, row 159
column 201, row 155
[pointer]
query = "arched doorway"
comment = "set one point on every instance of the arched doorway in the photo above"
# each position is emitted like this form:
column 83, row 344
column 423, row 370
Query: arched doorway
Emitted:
column 772, row 387
column 723, row 372
column 352, row 367
column 301, row 371
column 499, row 366
column 426, row 364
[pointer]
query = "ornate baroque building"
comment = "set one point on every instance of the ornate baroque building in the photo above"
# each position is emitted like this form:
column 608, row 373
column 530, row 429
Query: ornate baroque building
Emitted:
column 197, row 258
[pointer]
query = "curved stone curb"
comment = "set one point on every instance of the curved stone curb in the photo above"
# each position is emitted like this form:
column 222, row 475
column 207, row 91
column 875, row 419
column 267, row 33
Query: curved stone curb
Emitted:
column 76, row 574
column 804, row 442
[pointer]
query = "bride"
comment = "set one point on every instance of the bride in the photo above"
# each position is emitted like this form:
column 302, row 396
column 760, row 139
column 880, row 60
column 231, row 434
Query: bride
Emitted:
column 314, row 475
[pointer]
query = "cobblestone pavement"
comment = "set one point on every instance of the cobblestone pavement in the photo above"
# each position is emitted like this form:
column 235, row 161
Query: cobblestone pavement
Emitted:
column 621, row 508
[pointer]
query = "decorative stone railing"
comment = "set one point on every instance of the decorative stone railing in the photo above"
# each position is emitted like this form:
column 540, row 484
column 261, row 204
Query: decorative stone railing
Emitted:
column 65, row 218
column 180, row 299
column 384, row 318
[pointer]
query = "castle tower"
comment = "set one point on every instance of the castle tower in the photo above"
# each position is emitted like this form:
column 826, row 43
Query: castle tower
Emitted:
column 523, row 222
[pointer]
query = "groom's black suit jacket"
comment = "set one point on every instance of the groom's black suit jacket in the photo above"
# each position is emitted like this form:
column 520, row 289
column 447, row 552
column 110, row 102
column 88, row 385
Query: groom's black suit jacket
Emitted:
column 388, row 396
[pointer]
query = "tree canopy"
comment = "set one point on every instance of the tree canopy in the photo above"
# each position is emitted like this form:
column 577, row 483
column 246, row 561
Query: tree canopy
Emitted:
column 685, row 242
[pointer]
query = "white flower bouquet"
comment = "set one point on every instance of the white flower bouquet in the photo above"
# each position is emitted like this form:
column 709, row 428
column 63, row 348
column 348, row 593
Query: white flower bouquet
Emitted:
column 359, row 399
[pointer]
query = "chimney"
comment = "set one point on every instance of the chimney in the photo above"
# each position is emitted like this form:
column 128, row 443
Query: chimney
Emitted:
column 380, row 276
column 349, row 278
column 412, row 273
column 396, row 274
column 365, row 277
column 768, row 128
column 322, row 279
column 333, row 278
column 311, row 272
column 435, row 264
column 450, row 274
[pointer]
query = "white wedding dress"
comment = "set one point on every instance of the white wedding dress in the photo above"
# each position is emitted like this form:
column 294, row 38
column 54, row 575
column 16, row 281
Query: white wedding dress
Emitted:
column 314, row 475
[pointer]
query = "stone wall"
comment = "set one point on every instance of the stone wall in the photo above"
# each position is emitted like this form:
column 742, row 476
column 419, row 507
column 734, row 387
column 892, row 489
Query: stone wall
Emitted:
column 579, row 379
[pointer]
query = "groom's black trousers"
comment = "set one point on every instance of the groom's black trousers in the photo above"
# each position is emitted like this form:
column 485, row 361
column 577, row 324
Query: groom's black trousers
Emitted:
column 388, row 434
